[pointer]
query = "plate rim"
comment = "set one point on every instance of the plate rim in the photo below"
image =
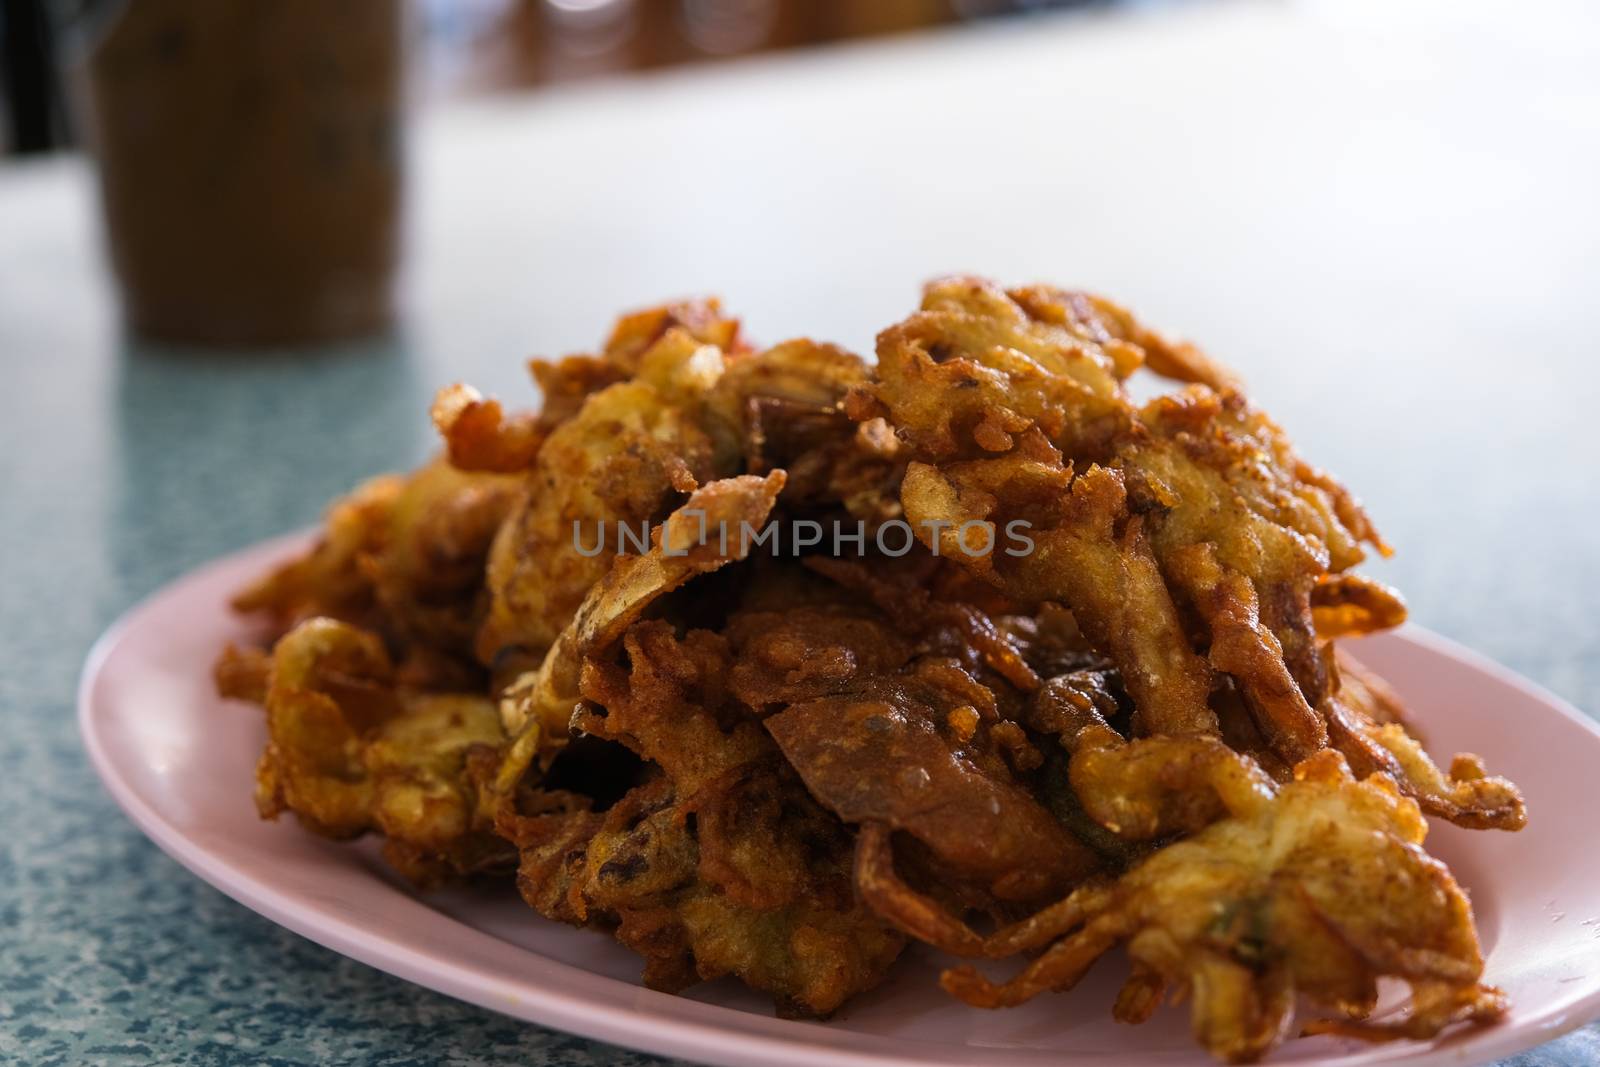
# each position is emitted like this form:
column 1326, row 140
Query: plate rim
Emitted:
column 546, row 1005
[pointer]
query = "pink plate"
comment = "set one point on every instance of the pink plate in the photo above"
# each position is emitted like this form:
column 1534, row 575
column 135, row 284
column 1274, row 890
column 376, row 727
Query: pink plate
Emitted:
column 179, row 761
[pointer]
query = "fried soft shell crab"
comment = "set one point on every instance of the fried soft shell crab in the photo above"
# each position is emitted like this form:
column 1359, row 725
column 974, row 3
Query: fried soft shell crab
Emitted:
column 745, row 759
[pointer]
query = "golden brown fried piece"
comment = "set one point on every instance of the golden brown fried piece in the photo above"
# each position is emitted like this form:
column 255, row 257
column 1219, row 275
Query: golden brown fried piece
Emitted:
column 1107, row 323
column 690, row 542
column 1216, row 472
column 1466, row 795
column 947, row 613
column 785, row 409
column 403, row 556
column 974, row 368
column 761, row 886
column 348, row 753
column 1316, row 890
column 1191, row 507
column 695, row 404
column 990, row 392
column 622, row 461
column 1154, row 788
column 428, row 575
column 1136, row 729
column 636, row 333
column 665, row 889
column 1243, row 646
column 329, row 579
column 480, row 436
column 242, row 673
column 312, row 764
column 1087, row 553
column 1350, row 605
column 796, row 653
column 664, row 700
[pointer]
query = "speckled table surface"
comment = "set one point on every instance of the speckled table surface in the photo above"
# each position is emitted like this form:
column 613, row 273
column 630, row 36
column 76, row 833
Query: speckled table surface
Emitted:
column 1398, row 243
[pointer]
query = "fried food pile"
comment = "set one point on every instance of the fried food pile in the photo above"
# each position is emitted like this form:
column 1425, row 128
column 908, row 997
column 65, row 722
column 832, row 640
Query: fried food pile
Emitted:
column 770, row 661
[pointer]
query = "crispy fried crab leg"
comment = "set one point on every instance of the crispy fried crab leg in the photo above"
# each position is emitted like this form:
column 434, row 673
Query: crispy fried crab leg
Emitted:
column 978, row 370
column 1244, row 647
column 1466, row 794
column 1011, row 399
column 1146, row 789
column 1318, row 888
column 1014, row 407
column 1088, row 554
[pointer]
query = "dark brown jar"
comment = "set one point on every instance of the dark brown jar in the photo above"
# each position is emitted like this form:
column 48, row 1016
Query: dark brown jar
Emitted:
column 250, row 165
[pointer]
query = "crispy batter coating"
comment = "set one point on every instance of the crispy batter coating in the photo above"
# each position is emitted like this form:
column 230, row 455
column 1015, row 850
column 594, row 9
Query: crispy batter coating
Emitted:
column 1146, row 520
column 785, row 409
column 1466, row 794
column 1138, row 729
column 242, row 673
column 428, row 577
column 691, row 411
column 688, row 543
column 480, row 436
column 329, row 579
column 622, row 461
column 403, row 556
column 348, row 753
column 760, row 886
column 1349, row 605
column 1088, row 554
column 646, row 869
column 1316, row 889
column 1017, row 412
column 1152, row 789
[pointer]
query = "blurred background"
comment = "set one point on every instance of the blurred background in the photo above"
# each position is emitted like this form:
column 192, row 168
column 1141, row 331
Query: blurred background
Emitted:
column 251, row 157
column 470, row 47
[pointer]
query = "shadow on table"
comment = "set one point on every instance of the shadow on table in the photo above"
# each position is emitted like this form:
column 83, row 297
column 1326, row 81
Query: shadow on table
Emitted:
column 216, row 449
